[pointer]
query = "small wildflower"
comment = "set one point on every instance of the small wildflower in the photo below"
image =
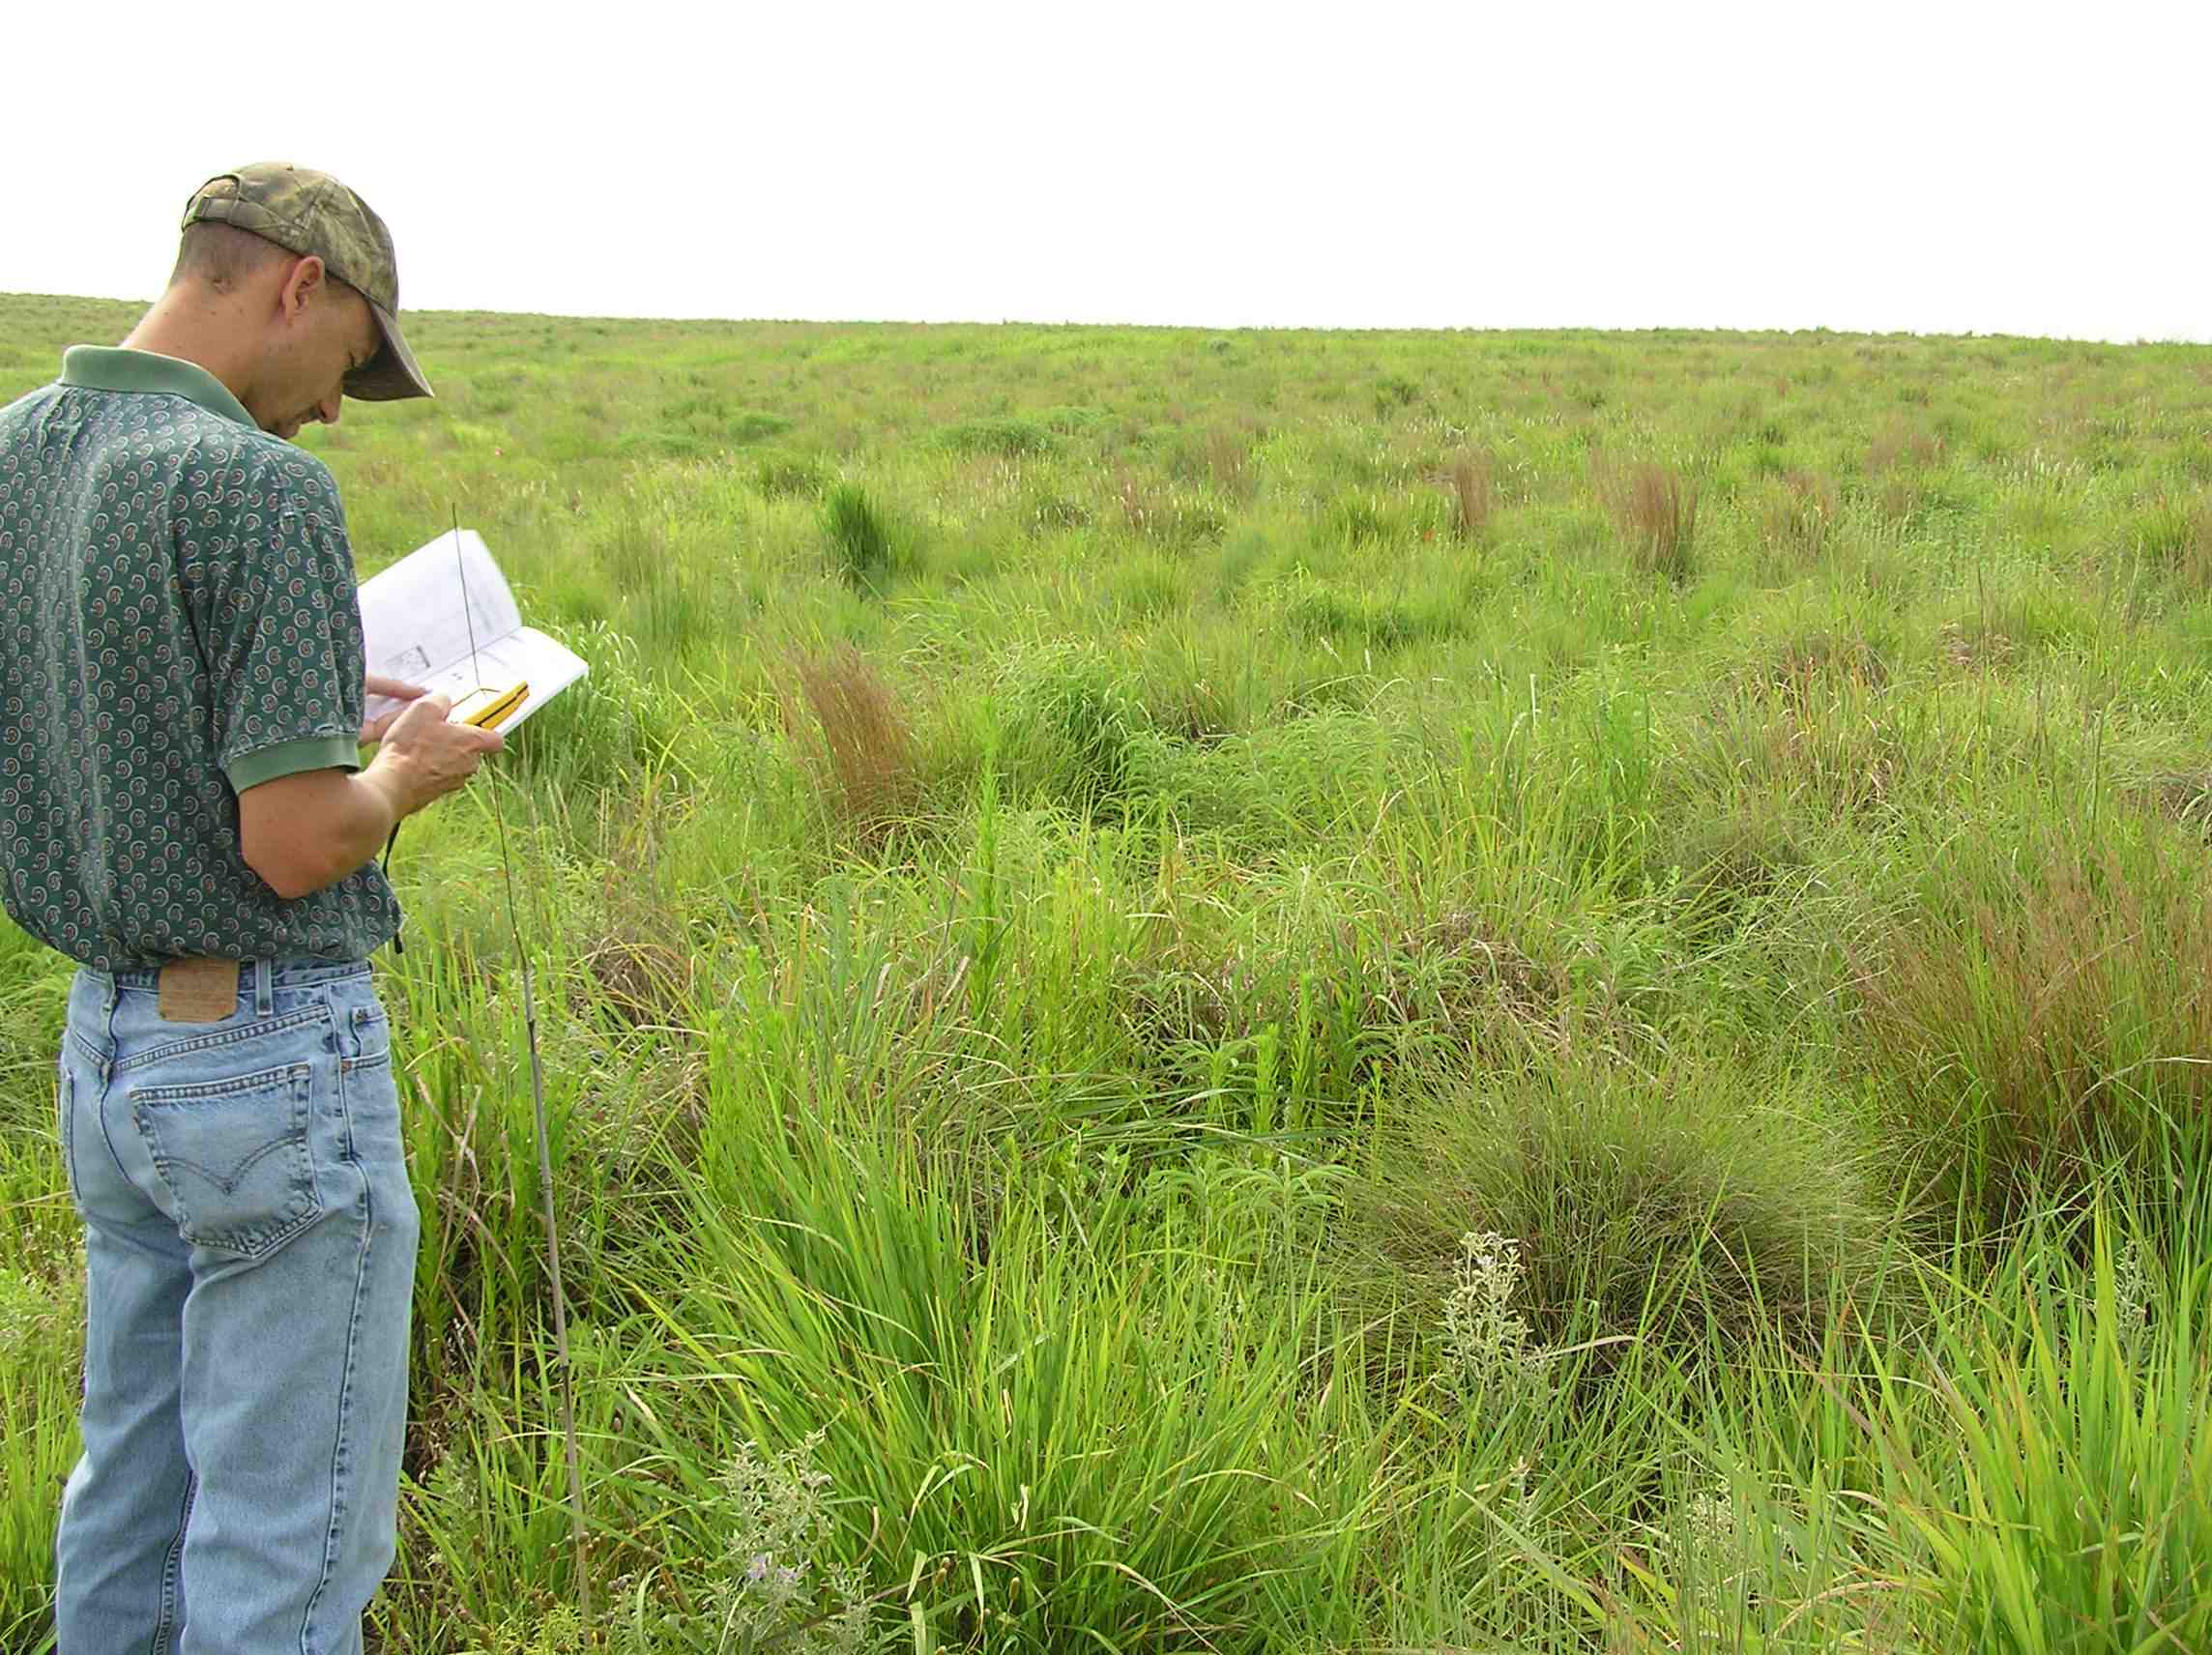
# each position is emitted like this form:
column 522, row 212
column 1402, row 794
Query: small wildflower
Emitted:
column 774, row 1587
column 2131, row 1292
column 26, row 1313
column 1708, row 1520
column 1484, row 1339
column 1522, row 1508
column 1702, row 1545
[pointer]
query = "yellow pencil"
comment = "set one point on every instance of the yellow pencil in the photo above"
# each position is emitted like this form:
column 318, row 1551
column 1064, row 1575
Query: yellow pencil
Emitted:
column 495, row 709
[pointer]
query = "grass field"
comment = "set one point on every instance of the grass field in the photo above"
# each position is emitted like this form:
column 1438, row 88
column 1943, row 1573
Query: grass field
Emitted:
column 1288, row 992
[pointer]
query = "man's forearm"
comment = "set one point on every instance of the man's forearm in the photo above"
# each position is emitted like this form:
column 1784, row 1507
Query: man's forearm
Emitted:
column 305, row 832
column 372, row 809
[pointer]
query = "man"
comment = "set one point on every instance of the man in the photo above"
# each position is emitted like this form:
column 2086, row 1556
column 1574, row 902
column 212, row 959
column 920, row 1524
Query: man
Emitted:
column 184, row 811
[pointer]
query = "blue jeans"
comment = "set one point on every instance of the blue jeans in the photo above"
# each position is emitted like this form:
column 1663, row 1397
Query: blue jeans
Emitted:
column 249, row 1243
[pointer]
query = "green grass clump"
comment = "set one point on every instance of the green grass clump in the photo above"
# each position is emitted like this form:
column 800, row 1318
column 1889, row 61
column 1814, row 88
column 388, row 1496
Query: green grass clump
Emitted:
column 1077, row 728
column 1684, row 1204
column 858, row 534
column 1009, row 436
column 2076, row 1510
column 793, row 476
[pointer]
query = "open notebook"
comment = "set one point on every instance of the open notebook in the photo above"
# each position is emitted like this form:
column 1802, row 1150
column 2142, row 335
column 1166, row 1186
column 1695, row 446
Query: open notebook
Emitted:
column 415, row 618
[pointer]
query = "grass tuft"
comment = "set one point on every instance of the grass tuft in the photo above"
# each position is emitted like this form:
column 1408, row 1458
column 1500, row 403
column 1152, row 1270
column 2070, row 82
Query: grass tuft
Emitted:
column 1656, row 512
column 858, row 534
column 1686, row 1203
column 846, row 725
column 1473, row 479
column 2042, row 1014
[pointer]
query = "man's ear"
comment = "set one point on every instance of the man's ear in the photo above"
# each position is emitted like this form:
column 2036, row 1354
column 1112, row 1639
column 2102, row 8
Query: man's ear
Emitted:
column 303, row 282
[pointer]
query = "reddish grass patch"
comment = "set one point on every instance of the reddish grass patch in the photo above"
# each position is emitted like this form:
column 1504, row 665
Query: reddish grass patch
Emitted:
column 2048, row 1017
column 1897, row 441
column 852, row 739
column 1473, row 484
column 1656, row 512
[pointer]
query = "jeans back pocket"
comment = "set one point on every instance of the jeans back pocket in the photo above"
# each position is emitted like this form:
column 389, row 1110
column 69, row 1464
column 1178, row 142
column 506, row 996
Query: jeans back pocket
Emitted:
column 233, row 1156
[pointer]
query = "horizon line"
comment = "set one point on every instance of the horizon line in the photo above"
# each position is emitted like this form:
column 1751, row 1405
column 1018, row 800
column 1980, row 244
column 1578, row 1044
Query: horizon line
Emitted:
column 1200, row 327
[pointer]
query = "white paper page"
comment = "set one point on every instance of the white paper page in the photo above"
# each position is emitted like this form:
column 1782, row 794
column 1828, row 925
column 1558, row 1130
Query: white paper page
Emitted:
column 527, row 655
column 412, row 618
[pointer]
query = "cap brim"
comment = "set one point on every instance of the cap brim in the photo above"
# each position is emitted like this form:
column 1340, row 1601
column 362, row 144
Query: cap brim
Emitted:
column 392, row 373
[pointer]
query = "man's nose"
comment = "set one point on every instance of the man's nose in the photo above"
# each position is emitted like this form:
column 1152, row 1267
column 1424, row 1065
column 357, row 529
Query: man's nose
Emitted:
column 327, row 410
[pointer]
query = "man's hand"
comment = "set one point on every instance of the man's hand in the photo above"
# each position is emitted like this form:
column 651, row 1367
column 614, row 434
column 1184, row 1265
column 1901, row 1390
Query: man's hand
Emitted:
column 424, row 758
column 374, row 729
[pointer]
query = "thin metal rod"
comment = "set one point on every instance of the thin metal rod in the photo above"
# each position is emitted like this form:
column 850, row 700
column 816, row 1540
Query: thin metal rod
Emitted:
column 544, row 1155
column 560, row 1301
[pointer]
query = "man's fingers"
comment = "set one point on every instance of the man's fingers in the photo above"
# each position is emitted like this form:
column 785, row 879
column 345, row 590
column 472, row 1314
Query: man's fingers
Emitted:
column 435, row 756
column 392, row 688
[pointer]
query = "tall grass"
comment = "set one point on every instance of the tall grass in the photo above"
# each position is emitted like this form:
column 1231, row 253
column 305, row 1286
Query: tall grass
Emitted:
column 2046, row 1014
column 859, row 535
column 846, row 722
column 1474, row 494
column 1656, row 512
column 1144, row 1051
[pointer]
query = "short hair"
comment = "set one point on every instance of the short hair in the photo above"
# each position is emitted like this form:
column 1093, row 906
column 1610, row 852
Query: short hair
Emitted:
column 219, row 256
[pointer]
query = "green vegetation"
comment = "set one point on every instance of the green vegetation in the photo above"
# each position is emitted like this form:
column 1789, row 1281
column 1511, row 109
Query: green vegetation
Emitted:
column 1288, row 992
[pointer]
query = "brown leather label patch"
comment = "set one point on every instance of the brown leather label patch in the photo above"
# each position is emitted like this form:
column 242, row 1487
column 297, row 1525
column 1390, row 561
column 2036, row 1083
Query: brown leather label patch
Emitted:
column 199, row 991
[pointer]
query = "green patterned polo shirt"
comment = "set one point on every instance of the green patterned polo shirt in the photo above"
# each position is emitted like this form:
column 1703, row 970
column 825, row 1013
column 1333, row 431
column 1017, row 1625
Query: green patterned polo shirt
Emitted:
column 181, row 624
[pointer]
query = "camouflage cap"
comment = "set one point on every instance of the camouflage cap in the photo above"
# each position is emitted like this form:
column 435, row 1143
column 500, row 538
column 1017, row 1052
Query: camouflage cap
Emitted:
column 311, row 212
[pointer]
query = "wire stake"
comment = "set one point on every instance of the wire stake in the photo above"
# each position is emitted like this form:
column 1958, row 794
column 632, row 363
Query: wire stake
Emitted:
column 545, row 1152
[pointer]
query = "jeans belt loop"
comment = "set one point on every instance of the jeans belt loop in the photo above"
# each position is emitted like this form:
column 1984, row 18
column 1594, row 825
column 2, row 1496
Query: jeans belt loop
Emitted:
column 264, row 989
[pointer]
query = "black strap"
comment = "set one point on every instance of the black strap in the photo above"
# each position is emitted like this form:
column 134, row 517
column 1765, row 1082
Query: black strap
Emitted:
column 397, row 946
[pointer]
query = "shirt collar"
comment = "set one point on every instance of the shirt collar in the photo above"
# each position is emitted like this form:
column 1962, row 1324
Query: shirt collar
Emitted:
column 112, row 367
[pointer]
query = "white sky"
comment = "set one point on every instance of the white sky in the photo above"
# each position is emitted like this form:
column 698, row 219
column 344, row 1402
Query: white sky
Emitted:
column 2018, row 168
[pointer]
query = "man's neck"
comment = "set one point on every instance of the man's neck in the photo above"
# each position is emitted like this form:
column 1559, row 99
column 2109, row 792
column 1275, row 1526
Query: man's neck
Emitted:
column 192, row 327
